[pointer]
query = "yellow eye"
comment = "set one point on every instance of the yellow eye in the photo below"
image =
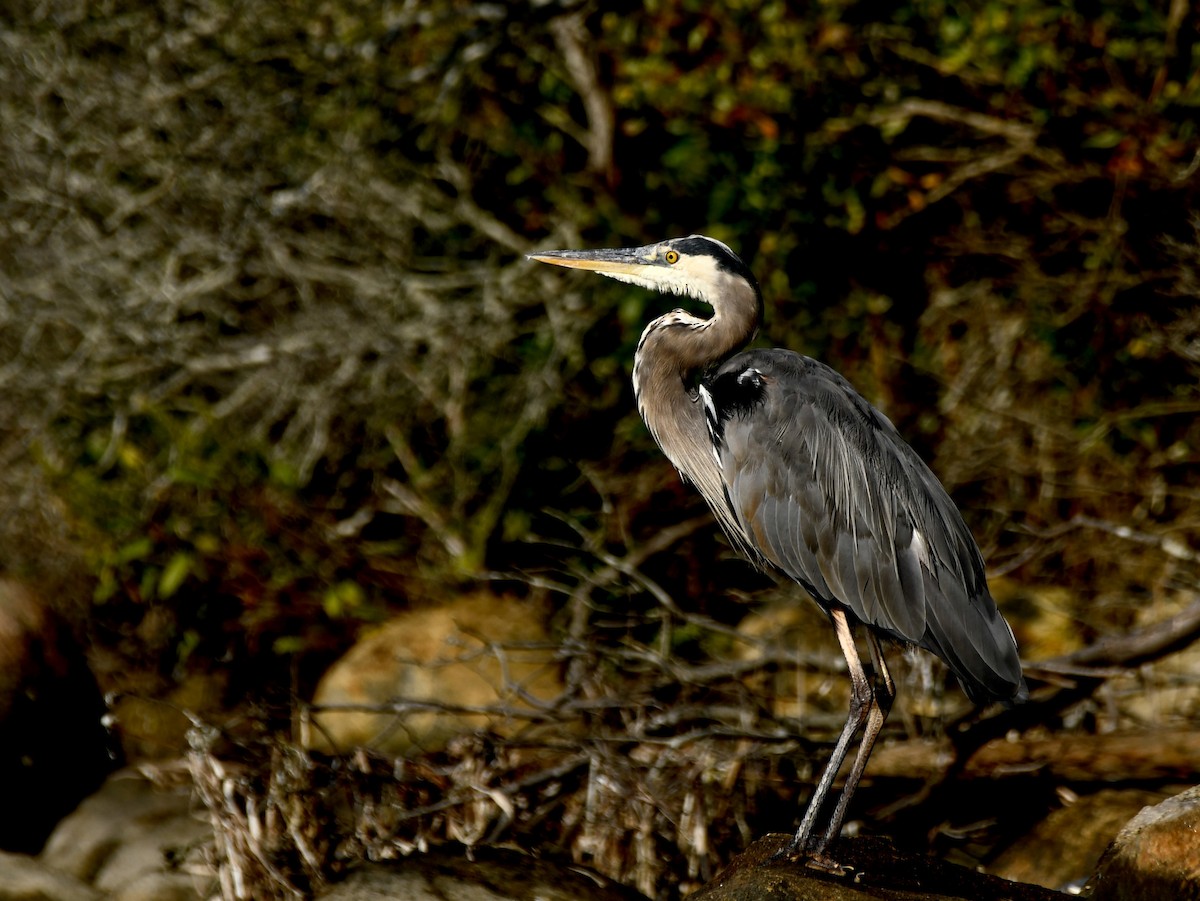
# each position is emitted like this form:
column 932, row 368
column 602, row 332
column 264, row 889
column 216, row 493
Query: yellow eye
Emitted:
column 671, row 256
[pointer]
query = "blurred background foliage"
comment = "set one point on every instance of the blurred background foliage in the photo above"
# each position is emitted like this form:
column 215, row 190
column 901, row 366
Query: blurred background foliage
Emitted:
column 272, row 362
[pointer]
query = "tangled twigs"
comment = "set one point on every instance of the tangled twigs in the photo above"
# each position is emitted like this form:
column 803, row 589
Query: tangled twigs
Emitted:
column 251, row 828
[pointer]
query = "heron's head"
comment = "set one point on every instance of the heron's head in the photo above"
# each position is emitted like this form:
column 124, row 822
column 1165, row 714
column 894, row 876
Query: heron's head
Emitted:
column 696, row 266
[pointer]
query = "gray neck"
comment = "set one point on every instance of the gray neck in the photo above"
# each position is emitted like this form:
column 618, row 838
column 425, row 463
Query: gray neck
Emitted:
column 674, row 350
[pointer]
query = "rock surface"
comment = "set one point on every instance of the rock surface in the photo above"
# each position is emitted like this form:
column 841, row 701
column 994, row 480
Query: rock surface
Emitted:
column 872, row 869
column 492, row 875
column 25, row 878
column 1063, row 850
column 131, row 841
column 437, row 655
column 1156, row 855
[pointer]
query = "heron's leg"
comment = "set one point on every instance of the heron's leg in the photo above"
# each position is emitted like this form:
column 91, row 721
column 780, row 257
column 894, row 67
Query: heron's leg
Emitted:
column 861, row 703
column 882, row 674
column 881, row 705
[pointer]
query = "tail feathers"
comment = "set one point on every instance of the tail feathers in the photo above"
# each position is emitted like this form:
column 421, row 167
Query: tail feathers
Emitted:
column 982, row 653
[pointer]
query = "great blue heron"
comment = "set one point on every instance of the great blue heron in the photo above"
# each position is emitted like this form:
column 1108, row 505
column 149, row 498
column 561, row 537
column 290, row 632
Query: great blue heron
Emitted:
column 810, row 480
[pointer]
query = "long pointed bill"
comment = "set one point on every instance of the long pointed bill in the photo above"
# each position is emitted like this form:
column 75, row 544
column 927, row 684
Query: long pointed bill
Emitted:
column 628, row 261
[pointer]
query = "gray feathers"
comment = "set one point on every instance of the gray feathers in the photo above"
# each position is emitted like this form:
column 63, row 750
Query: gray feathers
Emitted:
column 822, row 485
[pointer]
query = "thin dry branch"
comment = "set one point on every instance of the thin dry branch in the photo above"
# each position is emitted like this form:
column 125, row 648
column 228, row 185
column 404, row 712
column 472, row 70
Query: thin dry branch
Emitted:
column 1017, row 133
column 571, row 38
column 1166, row 755
column 1145, row 645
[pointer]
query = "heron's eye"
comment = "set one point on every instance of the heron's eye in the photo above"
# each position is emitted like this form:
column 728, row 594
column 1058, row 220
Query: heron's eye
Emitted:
column 671, row 256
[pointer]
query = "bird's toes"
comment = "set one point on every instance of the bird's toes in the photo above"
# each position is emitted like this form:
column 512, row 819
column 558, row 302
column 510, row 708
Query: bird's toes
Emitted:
column 826, row 864
column 799, row 850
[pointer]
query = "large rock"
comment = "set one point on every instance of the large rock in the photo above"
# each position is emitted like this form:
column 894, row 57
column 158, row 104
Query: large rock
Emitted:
column 872, row 870
column 481, row 651
column 1156, row 855
column 54, row 749
column 1062, row 851
column 493, row 874
column 131, row 841
column 25, row 878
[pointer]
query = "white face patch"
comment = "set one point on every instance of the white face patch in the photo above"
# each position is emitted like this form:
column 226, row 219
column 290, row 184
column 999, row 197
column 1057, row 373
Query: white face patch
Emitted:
column 630, row 279
column 692, row 276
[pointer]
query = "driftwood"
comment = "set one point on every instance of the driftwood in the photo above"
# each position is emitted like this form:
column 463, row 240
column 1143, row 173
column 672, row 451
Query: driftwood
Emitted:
column 1144, row 645
column 1162, row 756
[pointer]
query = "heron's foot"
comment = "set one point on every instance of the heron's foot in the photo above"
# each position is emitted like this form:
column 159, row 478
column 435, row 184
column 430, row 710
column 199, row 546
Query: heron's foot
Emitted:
column 811, row 858
column 795, row 849
column 811, row 852
column 826, row 864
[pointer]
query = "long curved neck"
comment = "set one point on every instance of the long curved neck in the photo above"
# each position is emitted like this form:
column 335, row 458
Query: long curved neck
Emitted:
column 673, row 350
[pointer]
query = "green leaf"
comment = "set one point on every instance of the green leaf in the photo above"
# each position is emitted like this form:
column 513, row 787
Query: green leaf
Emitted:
column 173, row 575
column 342, row 599
column 138, row 549
column 1110, row 137
column 288, row 644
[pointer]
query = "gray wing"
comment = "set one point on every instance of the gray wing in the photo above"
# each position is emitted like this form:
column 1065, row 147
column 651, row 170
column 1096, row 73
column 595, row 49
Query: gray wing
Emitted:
column 824, row 489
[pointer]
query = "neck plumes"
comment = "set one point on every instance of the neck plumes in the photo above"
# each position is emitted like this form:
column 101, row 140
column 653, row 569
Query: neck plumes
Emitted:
column 673, row 353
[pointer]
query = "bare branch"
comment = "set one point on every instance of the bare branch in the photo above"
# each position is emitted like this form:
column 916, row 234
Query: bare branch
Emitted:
column 571, row 38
